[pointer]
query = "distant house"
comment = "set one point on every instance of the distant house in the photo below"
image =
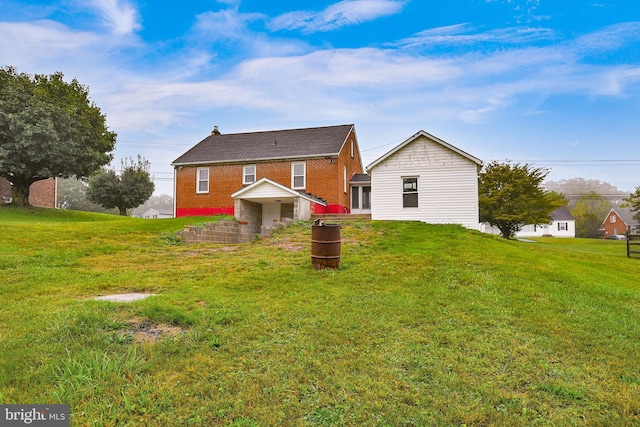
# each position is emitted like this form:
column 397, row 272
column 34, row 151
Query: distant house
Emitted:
column 156, row 214
column 427, row 179
column 563, row 224
column 617, row 221
column 42, row 193
column 271, row 175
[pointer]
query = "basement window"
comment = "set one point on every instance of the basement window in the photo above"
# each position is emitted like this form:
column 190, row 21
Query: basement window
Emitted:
column 202, row 178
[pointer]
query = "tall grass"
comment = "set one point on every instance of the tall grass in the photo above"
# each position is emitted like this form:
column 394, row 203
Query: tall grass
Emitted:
column 421, row 325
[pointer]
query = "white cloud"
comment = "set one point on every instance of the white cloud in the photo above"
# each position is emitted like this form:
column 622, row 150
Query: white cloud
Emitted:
column 609, row 38
column 40, row 41
column 226, row 24
column 119, row 15
column 464, row 35
column 338, row 15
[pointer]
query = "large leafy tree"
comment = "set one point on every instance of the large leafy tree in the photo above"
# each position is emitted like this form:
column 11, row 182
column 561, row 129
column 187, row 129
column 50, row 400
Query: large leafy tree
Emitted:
column 128, row 190
column 633, row 202
column 590, row 211
column 48, row 128
column 511, row 196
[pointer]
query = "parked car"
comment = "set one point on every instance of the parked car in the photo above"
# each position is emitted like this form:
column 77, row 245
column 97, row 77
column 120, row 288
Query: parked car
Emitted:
column 617, row 237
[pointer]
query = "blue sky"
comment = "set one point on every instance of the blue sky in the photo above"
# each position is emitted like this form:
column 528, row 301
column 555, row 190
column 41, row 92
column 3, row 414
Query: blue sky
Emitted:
column 552, row 83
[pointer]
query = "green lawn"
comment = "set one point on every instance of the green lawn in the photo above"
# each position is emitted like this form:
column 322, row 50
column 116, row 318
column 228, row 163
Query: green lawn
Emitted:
column 421, row 325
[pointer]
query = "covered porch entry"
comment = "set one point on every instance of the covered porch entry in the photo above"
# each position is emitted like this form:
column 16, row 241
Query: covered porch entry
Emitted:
column 265, row 203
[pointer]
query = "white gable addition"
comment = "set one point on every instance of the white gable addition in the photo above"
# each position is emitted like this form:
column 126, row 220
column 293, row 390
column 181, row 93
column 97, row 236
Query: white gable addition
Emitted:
column 446, row 178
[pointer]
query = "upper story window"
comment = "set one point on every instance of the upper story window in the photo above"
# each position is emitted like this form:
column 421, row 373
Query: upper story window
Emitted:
column 410, row 192
column 298, row 176
column 612, row 219
column 248, row 174
column 352, row 148
column 344, row 180
column 202, row 180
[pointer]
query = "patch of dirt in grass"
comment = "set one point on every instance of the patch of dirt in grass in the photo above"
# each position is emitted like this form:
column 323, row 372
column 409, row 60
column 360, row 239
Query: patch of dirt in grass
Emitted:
column 211, row 250
column 144, row 331
column 290, row 244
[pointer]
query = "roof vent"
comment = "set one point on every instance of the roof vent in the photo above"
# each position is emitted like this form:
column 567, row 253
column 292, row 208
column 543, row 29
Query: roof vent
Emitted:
column 215, row 131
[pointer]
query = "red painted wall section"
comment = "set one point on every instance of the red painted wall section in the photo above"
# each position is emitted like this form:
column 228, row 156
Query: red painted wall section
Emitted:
column 329, row 209
column 204, row 211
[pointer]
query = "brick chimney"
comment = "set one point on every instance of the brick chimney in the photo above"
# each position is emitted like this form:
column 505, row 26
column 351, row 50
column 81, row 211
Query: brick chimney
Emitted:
column 215, row 131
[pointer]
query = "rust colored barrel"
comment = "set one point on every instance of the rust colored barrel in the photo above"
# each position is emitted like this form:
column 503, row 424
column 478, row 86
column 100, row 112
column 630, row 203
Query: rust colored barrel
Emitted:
column 326, row 240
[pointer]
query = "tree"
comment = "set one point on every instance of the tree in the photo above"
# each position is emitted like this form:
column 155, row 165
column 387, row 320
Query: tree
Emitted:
column 510, row 196
column 574, row 188
column 48, row 128
column 590, row 211
column 633, row 203
column 72, row 194
column 130, row 189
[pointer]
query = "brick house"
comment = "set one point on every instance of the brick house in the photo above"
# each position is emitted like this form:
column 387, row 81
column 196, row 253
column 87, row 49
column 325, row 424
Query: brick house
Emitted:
column 278, row 174
column 617, row 221
column 42, row 193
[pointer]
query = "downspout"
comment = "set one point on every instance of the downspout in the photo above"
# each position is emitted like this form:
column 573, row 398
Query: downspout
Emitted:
column 174, row 192
column 55, row 192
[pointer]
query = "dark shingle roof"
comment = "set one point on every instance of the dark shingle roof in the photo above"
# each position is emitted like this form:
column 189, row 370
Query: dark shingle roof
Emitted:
column 268, row 145
column 562, row 214
column 627, row 215
column 360, row 177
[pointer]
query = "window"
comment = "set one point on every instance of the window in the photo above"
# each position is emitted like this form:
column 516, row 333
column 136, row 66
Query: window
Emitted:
column 366, row 197
column 563, row 226
column 344, row 180
column 612, row 218
column 410, row 192
column 361, row 197
column 202, row 180
column 298, row 176
column 352, row 148
column 355, row 198
column 248, row 174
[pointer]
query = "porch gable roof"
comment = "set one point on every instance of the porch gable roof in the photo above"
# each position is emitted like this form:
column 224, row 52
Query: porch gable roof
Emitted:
column 266, row 189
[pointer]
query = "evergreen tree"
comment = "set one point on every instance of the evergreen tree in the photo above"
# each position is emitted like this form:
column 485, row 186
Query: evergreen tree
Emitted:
column 633, row 202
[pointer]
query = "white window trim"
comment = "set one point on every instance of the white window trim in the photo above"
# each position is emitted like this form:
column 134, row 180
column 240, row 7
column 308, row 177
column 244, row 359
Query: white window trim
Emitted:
column 198, row 181
column 613, row 219
column 344, row 178
column 352, row 143
column 244, row 174
column 416, row 192
column 304, row 176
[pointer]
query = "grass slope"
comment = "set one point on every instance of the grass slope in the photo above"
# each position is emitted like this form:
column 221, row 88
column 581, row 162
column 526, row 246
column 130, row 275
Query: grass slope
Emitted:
column 421, row 325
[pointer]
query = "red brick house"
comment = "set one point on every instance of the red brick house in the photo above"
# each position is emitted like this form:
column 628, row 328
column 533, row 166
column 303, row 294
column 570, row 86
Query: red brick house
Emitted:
column 42, row 193
column 617, row 221
column 287, row 172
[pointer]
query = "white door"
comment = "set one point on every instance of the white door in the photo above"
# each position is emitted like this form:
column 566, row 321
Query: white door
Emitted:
column 270, row 214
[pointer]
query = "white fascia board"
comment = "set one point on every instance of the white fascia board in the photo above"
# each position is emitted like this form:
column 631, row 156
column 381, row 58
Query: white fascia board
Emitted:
column 428, row 136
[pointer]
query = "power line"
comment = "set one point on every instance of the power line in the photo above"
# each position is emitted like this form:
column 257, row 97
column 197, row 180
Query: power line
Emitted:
column 583, row 161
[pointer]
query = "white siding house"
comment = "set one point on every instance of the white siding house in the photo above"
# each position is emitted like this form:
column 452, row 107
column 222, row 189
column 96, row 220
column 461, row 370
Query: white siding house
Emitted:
column 563, row 224
column 426, row 179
